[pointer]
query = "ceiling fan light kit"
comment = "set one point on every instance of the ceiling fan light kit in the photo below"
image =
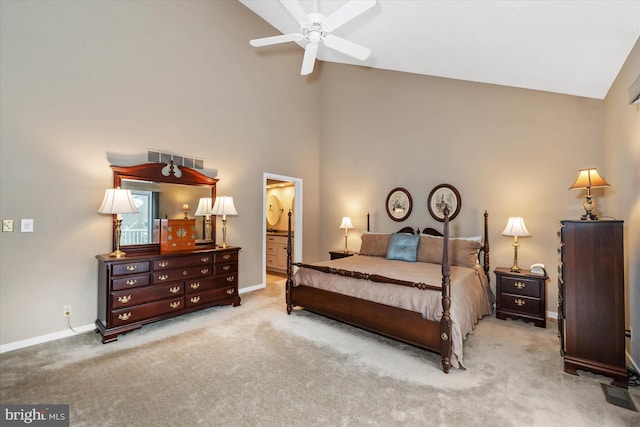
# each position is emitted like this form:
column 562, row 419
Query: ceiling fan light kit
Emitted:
column 316, row 28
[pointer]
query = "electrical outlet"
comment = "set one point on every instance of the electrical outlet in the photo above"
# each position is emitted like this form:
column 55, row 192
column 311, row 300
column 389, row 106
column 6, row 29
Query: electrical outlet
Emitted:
column 7, row 225
column 66, row 311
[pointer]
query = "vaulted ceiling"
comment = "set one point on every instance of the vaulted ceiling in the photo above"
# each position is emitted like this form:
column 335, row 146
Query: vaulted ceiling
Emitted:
column 565, row 46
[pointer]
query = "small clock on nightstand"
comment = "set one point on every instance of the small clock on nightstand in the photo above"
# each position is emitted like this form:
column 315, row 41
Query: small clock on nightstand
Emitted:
column 521, row 295
column 340, row 254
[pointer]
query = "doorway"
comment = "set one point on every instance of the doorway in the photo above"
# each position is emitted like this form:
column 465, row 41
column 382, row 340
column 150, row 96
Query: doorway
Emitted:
column 281, row 195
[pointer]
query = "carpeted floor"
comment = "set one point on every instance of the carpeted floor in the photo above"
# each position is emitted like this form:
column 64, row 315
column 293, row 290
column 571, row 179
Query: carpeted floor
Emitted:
column 255, row 366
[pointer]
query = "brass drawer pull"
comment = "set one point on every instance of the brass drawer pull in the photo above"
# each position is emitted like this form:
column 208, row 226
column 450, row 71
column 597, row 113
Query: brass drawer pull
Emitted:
column 163, row 277
column 195, row 299
column 519, row 285
column 226, row 256
column 231, row 278
column 124, row 316
column 174, row 290
column 131, row 282
column 175, row 304
column 195, row 285
column 204, row 271
column 163, row 263
column 185, row 272
column 231, row 291
column 132, row 267
column 519, row 302
column 204, row 259
column 226, row 267
column 124, row 300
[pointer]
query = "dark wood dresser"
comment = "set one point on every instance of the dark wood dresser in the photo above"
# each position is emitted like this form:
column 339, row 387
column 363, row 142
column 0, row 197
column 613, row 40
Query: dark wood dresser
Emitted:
column 141, row 289
column 591, row 298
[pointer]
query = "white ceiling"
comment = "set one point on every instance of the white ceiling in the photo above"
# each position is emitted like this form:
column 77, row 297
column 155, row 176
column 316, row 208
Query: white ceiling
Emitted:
column 566, row 46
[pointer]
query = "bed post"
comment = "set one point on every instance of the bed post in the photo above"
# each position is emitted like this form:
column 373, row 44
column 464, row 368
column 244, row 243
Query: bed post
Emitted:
column 289, row 267
column 486, row 247
column 445, row 322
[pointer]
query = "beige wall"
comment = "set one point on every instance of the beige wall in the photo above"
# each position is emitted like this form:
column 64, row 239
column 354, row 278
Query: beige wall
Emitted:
column 79, row 79
column 513, row 152
column 622, row 156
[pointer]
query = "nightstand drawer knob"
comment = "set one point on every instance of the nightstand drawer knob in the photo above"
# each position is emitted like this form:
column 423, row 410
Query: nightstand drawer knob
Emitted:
column 519, row 285
column 519, row 302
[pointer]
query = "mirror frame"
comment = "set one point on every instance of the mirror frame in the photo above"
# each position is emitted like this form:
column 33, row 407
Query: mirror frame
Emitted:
column 167, row 173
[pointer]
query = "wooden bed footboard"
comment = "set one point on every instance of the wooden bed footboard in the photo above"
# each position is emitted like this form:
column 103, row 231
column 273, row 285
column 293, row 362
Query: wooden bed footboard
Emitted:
column 393, row 322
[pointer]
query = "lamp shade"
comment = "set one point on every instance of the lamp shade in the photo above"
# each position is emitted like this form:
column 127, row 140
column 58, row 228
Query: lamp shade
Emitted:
column 224, row 206
column 588, row 178
column 117, row 201
column 204, row 207
column 346, row 223
column 515, row 227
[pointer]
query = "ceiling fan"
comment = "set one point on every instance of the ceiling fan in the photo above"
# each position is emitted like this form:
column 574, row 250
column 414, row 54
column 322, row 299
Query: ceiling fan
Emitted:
column 317, row 28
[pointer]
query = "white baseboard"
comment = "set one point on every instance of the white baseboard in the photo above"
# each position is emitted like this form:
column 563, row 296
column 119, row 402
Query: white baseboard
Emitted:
column 46, row 338
column 81, row 329
column 552, row 315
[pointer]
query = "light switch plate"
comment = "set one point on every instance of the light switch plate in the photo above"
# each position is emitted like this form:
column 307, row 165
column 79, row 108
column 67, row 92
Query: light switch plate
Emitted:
column 7, row 225
column 26, row 225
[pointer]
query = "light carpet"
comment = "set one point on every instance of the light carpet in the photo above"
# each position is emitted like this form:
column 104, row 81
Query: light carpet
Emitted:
column 254, row 365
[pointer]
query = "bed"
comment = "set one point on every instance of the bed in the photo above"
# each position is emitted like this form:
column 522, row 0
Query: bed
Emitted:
column 430, row 294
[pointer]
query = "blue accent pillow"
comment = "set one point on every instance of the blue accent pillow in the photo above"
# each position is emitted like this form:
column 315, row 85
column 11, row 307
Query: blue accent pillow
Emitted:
column 403, row 247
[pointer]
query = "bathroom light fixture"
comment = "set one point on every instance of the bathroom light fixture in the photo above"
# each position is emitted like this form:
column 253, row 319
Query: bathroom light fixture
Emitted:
column 224, row 206
column 516, row 228
column 117, row 201
column 347, row 225
column 588, row 178
column 205, row 209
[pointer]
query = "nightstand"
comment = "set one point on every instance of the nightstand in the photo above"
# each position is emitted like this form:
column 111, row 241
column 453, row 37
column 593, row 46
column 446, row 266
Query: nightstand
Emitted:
column 521, row 295
column 340, row 254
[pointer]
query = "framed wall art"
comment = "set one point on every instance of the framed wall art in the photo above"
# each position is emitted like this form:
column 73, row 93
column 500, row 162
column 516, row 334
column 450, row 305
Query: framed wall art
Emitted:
column 444, row 195
column 399, row 204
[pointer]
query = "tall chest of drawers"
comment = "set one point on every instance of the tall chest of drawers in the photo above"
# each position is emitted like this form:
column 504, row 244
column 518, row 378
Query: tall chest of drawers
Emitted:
column 137, row 290
column 591, row 298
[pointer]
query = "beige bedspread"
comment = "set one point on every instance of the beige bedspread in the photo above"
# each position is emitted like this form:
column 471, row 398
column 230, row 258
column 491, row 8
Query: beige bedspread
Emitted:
column 471, row 296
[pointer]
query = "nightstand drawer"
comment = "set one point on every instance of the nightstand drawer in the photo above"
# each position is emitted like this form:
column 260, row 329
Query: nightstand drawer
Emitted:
column 519, row 304
column 520, row 286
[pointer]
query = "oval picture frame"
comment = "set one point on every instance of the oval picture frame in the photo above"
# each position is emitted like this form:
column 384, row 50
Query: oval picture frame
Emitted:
column 444, row 195
column 399, row 204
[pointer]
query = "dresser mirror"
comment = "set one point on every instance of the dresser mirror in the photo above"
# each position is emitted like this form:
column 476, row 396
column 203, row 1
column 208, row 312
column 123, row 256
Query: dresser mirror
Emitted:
column 161, row 191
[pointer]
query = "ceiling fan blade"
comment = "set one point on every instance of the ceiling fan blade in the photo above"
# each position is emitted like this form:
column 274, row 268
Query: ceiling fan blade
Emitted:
column 346, row 13
column 295, row 9
column 266, row 41
column 309, row 59
column 347, row 47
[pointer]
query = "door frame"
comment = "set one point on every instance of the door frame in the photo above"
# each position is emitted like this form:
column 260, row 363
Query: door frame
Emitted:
column 297, row 225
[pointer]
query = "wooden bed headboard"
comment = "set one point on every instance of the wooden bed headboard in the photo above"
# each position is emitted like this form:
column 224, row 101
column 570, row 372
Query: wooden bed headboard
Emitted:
column 483, row 256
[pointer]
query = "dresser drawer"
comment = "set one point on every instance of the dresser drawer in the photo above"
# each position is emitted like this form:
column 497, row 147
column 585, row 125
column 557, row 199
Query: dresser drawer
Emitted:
column 184, row 261
column 520, row 286
column 226, row 280
column 129, row 268
column 224, row 257
column 145, row 311
column 520, row 304
column 225, row 268
column 129, row 282
column 211, row 296
column 140, row 296
column 181, row 274
column 199, row 285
